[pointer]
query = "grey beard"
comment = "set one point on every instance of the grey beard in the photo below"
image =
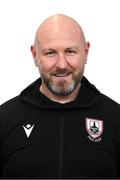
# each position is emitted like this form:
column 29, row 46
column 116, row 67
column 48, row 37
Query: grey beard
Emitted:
column 58, row 91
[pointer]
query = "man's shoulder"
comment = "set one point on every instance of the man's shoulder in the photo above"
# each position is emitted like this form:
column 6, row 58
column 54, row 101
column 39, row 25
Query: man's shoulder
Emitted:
column 109, row 103
column 11, row 104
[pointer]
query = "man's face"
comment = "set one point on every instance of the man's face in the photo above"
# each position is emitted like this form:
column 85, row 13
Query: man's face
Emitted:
column 61, row 57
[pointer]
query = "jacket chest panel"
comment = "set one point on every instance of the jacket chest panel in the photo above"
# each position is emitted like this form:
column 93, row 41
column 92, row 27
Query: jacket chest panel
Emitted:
column 58, row 144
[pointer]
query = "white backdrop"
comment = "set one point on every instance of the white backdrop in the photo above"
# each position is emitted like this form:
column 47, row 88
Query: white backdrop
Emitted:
column 100, row 20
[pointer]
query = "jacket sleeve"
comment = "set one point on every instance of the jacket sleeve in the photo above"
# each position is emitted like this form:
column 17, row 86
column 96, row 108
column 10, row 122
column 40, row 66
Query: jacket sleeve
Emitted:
column 0, row 165
column 118, row 148
column 1, row 161
column 118, row 163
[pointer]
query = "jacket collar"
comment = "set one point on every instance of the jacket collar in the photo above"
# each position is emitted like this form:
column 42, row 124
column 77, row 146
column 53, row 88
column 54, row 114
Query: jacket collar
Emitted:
column 87, row 96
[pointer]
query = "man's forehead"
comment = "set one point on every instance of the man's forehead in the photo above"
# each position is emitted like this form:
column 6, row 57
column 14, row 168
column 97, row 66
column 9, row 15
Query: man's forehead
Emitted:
column 59, row 27
column 59, row 42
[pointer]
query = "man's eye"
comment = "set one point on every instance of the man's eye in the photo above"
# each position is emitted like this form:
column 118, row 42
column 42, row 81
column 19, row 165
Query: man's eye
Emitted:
column 50, row 53
column 70, row 52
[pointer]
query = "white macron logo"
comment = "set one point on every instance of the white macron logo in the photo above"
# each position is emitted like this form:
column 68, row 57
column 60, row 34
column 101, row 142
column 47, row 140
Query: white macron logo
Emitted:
column 28, row 129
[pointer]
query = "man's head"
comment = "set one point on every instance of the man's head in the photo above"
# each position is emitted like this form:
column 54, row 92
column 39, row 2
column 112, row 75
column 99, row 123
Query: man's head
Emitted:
column 60, row 52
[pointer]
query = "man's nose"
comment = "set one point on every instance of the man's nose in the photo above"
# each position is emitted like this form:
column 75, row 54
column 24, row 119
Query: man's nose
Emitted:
column 61, row 61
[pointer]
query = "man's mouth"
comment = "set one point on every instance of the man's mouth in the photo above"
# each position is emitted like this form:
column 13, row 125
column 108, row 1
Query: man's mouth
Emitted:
column 61, row 75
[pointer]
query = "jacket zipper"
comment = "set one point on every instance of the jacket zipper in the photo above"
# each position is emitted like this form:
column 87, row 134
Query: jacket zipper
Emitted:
column 61, row 144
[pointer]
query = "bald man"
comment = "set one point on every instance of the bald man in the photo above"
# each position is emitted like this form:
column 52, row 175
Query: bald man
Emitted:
column 61, row 126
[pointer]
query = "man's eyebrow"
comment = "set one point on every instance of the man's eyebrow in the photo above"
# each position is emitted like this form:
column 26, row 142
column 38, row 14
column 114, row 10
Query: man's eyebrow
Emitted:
column 72, row 47
column 55, row 49
column 48, row 49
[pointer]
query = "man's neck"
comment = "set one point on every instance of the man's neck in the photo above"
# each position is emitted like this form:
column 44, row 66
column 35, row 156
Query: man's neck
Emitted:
column 60, row 99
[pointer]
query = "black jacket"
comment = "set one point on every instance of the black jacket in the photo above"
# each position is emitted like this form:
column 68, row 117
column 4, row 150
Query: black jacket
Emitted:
column 40, row 138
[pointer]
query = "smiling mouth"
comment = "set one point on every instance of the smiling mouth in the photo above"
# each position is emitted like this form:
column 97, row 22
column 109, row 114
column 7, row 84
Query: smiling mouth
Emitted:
column 61, row 75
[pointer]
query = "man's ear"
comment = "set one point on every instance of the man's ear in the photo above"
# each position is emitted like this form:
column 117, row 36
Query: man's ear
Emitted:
column 33, row 51
column 86, row 50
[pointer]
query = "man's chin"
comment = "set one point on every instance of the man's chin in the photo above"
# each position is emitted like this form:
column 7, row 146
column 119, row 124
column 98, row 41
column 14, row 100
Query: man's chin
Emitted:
column 61, row 93
column 62, row 89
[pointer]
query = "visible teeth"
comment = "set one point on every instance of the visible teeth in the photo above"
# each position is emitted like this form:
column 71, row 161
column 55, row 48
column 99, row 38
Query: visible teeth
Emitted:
column 61, row 75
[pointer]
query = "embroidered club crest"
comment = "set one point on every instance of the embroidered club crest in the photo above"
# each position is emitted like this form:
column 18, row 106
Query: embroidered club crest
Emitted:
column 94, row 127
